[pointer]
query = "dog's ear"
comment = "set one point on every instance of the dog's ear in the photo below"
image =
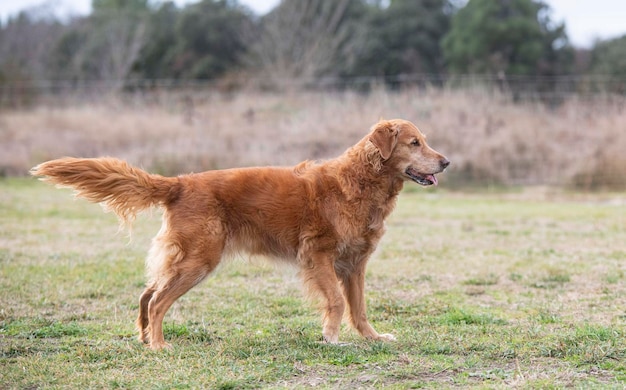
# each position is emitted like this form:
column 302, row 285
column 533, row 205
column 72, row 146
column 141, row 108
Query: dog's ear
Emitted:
column 384, row 137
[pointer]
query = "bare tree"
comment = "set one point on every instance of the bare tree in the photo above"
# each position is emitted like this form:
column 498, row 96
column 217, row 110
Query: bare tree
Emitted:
column 26, row 41
column 122, row 40
column 301, row 39
column 25, row 48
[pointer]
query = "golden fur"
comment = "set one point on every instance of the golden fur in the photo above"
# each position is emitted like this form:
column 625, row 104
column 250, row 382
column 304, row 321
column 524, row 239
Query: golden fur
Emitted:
column 325, row 217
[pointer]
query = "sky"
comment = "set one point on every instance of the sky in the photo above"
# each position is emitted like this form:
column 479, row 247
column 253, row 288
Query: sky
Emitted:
column 586, row 20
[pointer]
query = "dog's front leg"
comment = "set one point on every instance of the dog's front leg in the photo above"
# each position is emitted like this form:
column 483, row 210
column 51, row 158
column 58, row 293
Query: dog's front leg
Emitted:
column 320, row 277
column 354, row 290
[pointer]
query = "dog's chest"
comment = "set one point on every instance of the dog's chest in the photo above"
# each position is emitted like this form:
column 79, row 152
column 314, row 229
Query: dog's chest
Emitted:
column 358, row 221
column 356, row 229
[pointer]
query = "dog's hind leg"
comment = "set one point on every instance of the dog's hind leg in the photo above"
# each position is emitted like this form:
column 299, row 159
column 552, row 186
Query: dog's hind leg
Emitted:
column 173, row 272
column 142, row 319
column 191, row 271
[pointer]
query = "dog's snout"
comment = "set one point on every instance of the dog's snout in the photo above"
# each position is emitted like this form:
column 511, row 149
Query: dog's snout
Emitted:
column 444, row 162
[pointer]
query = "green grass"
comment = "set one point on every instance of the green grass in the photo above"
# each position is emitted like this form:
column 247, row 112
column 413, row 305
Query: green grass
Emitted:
column 498, row 289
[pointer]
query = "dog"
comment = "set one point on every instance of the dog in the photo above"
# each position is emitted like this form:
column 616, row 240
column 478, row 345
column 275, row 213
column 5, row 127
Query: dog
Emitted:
column 325, row 217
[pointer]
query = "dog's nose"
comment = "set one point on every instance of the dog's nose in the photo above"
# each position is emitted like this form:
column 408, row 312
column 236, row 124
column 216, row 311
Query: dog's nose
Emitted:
column 444, row 163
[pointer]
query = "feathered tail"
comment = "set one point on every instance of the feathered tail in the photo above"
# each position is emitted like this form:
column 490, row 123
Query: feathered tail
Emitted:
column 118, row 186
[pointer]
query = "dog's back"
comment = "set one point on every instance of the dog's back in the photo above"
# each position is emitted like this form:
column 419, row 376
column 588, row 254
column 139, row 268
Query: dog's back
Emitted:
column 260, row 210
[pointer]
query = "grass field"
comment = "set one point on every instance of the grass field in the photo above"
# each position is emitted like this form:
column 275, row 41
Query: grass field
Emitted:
column 518, row 289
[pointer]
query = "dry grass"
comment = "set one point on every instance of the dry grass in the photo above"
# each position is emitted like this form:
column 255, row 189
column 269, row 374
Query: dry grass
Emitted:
column 489, row 139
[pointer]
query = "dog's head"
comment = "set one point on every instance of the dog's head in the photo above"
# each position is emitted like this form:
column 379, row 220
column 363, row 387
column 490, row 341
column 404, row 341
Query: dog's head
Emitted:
column 403, row 148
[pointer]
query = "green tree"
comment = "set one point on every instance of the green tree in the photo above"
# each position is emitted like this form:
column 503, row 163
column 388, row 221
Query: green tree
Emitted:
column 100, row 6
column 66, row 63
column 209, row 39
column 511, row 37
column 157, row 55
column 404, row 38
column 609, row 57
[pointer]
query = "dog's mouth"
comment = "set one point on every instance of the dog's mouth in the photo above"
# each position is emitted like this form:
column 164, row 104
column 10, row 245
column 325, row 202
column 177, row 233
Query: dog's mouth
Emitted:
column 424, row 179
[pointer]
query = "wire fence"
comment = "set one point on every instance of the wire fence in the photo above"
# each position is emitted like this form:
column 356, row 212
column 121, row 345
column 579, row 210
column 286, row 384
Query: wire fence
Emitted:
column 177, row 126
column 550, row 89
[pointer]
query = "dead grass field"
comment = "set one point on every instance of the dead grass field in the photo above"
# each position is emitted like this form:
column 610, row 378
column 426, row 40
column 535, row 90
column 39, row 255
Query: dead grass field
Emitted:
column 523, row 289
column 489, row 139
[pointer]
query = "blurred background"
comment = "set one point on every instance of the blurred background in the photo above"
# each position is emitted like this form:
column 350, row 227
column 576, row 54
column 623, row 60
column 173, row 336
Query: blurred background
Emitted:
column 514, row 92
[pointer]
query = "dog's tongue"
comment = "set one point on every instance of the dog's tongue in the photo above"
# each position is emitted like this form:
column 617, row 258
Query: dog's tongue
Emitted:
column 432, row 178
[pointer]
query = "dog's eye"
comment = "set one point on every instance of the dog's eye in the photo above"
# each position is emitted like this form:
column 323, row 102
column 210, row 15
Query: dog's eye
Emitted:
column 415, row 142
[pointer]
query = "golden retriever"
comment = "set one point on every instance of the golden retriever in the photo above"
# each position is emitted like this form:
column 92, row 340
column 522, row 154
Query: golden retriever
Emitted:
column 326, row 217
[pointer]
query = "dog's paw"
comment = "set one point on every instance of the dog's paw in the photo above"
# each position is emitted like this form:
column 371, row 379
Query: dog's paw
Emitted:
column 387, row 337
column 157, row 346
column 143, row 338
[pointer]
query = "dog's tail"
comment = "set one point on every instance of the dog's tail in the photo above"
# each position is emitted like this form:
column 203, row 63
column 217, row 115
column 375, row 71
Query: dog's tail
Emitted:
column 124, row 189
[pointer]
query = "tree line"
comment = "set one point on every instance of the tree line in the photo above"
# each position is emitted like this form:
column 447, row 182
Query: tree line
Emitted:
column 124, row 40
